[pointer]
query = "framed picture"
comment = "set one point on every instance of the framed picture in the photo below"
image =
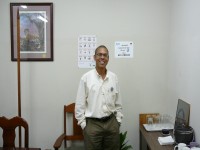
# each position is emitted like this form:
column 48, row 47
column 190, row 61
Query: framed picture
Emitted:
column 35, row 28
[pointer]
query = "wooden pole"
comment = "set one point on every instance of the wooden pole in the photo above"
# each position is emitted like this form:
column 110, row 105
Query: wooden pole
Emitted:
column 18, row 71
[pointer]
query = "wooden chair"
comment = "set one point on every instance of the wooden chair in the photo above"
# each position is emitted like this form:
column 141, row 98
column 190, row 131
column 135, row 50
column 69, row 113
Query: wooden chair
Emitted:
column 77, row 134
column 9, row 126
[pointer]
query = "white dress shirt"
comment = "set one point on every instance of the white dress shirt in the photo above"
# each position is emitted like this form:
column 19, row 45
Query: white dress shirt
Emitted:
column 98, row 98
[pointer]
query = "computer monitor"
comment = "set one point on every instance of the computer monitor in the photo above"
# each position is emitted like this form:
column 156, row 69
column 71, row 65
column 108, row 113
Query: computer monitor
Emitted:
column 182, row 114
column 183, row 133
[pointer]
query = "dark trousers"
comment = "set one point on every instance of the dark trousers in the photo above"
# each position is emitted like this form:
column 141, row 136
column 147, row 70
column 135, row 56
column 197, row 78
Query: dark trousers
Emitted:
column 99, row 135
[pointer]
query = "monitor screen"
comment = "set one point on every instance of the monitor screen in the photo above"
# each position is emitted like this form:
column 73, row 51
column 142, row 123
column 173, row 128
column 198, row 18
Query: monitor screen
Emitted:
column 182, row 114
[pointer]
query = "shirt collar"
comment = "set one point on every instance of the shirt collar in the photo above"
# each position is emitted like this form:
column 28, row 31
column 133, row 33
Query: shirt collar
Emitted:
column 107, row 74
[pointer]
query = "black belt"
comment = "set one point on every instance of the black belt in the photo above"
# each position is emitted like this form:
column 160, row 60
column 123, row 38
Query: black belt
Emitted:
column 103, row 119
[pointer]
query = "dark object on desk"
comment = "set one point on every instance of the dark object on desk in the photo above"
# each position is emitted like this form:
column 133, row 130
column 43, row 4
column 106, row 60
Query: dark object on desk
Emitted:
column 184, row 134
column 9, row 126
column 165, row 131
column 194, row 144
column 77, row 131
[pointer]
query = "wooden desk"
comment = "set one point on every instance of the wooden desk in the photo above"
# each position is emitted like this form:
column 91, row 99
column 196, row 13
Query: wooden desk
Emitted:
column 149, row 140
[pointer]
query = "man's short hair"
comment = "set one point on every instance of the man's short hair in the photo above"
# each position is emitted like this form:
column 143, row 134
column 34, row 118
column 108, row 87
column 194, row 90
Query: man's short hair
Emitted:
column 101, row 46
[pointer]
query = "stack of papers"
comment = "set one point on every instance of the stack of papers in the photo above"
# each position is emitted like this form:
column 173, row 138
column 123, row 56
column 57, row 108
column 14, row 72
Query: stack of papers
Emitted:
column 168, row 140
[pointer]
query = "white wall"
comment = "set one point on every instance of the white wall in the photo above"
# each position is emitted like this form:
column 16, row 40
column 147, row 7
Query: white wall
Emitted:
column 184, row 58
column 148, row 81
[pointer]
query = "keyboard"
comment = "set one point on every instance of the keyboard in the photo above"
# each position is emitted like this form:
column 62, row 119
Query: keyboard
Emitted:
column 158, row 127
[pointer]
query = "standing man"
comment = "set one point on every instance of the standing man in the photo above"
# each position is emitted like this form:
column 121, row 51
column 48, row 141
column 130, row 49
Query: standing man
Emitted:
column 98, row 105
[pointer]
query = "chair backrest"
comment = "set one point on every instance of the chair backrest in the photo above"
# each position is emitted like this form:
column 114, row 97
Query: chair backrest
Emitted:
column 9, row 126
column 77, row 131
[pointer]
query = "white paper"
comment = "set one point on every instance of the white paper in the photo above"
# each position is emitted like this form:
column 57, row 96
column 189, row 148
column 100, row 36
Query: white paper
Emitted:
column 124, row 49
column 168, row 140
column 86, row 49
